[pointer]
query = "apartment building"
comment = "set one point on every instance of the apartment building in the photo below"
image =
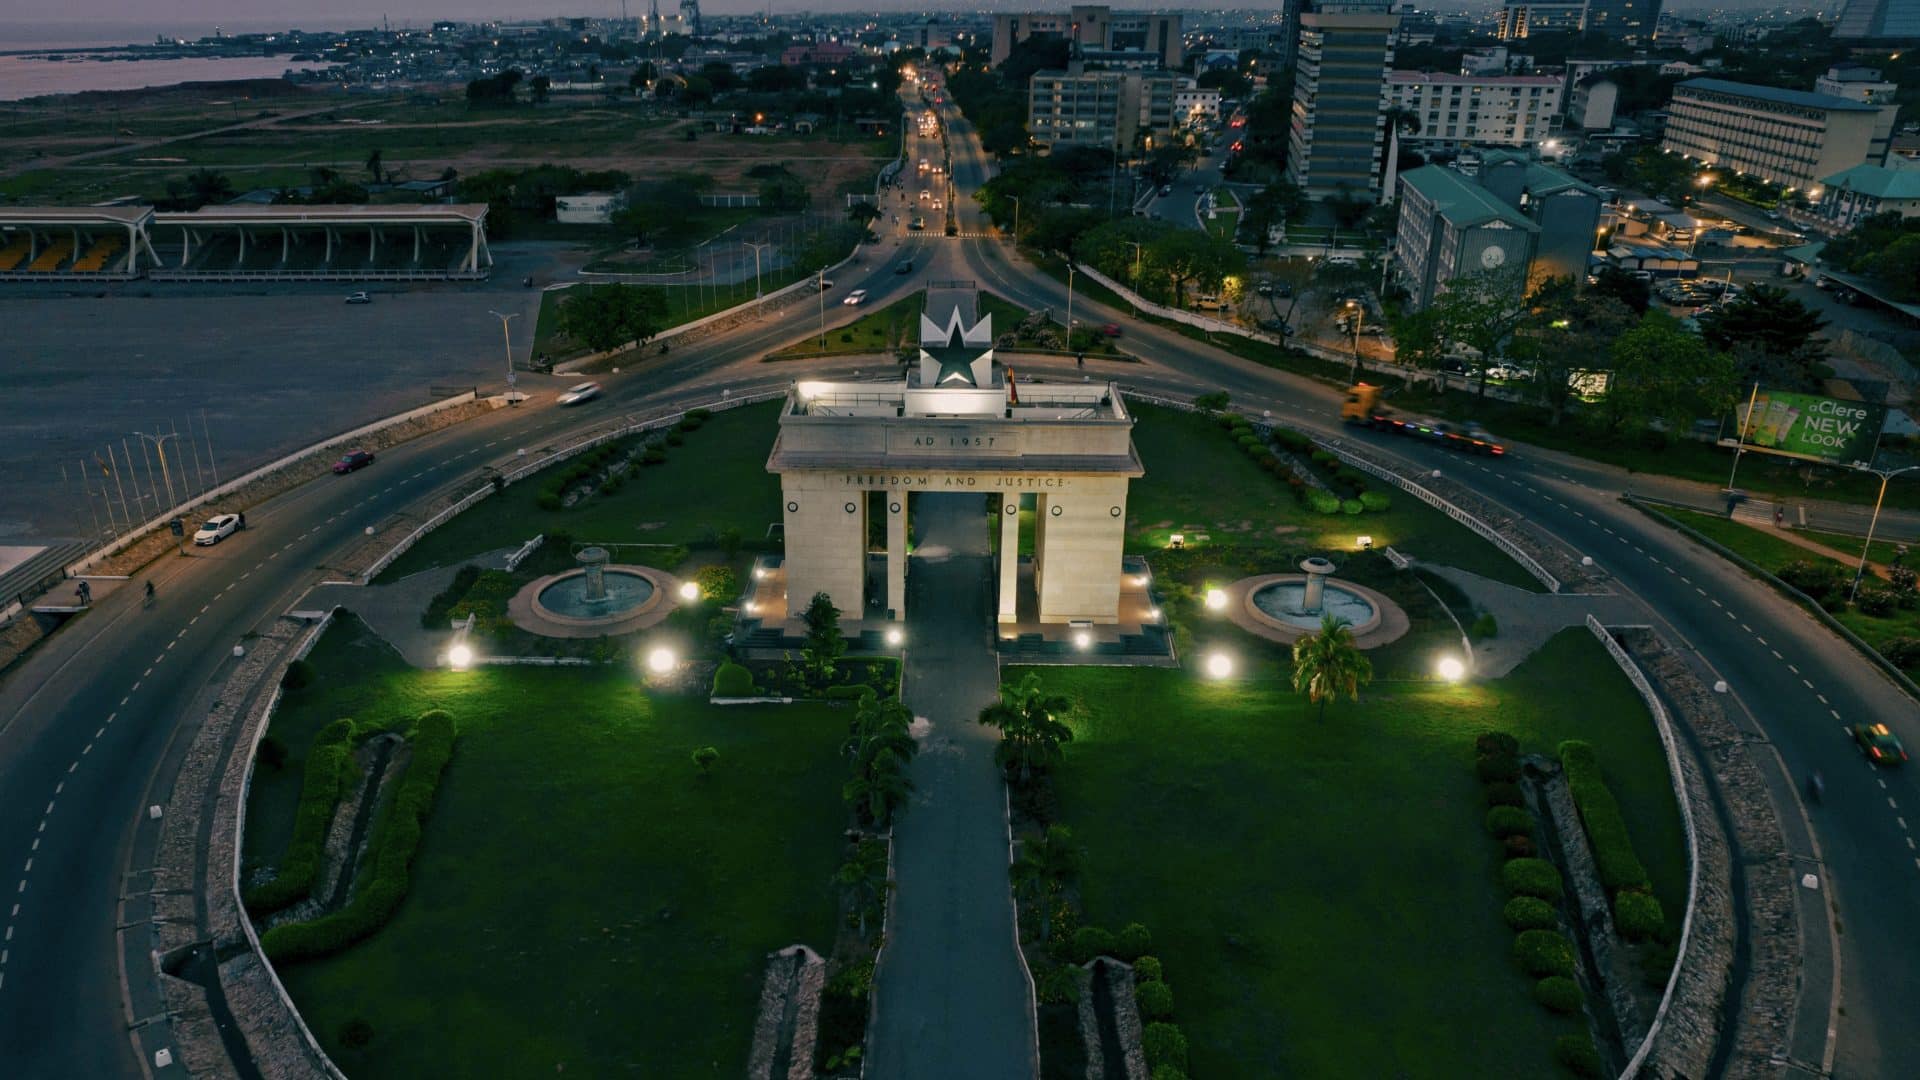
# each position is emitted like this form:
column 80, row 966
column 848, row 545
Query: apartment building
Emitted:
column 1887, row 22
column 1456, row 111
column 1629, row 20
column 1095, row 28
column 1338, row 131
column 1794, row 138
column 1194, row 106
column 1519, row 20
column 1109, row 109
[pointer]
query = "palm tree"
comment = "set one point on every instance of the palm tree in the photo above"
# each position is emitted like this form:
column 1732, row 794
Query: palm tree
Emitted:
column 1327, row 663
column 880, row 725
column 863, row 877
column 1031, row 738
column 1044, row 864
column 879, row 789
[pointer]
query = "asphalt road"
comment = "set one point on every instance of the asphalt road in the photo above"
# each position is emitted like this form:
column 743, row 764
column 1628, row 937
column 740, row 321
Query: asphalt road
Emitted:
column 84, row 721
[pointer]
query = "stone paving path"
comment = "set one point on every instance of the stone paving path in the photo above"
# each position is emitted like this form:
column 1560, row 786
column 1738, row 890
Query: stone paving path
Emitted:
column 952, row 998
column 1527, row 619
column 393, row 610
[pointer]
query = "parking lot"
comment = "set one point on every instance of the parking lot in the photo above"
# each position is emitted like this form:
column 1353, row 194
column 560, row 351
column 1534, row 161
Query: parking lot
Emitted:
column 273, row 369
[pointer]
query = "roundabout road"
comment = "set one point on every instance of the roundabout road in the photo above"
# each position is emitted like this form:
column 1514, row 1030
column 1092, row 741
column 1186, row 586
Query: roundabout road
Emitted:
column 87, row 719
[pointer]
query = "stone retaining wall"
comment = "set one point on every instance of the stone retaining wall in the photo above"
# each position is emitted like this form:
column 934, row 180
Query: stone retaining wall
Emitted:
column 1691, row 1032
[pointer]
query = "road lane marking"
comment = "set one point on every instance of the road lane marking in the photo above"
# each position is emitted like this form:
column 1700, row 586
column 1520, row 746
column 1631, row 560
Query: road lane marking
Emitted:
column 1716, row 603
column 99, row 732
column 1747, row 628
column 172, row 643
column 145, row 673
column 75, row 765
column 123, row 701
column 1776, row 654
column 1822, row 697
column 1759, row 639
column 59, row 787
column 29, row 868
column 84, row 751
column 1836, row 713
column 1793, row 669
column 1806, row 683
column 193, row 620
column 204, row 607
column 1891, row 804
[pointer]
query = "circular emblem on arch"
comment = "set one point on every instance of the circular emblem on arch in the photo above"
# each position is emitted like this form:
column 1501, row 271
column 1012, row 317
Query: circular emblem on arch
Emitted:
column 894, row 507
column 1013, row 507
column 793, row 508
column 851, row 508
column 1056, row 510
column 1113, row 511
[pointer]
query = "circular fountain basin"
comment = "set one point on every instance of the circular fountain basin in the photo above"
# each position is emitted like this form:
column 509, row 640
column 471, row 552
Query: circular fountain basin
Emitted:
column 1282, row 601
column 568, row 598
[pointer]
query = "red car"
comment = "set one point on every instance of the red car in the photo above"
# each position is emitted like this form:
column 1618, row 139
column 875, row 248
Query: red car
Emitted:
column 1112, row 329
column 357, row 460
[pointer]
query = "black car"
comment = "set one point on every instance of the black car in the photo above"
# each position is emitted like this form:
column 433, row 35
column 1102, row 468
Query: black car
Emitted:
column 904, row 268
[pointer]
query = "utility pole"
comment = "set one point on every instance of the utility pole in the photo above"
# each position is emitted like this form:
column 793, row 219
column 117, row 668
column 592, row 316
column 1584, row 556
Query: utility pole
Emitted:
column 160, row 446
column 1135, row 244
column 1069, row 303
column 820, row 281
column 506, row 336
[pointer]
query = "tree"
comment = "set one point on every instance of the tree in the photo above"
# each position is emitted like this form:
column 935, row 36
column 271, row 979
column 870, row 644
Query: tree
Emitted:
column 1482, row 310
column 373, row 166
column 1616, row 284
column 1032, row 736
column 1661, row 370
column 605, row 316
column 863, row 213
column 776, row 79
column 863, row 879
column 663, row 213
column 879, row 725
column 206, row 186
column 540, row 84
column 1327, row 663
column 1565, row 335
column 1044, row 865
column 705, row 757
column 1349, row 207
column 877, row 793
column 1770, row 333
column 1275, row 204
column 1897, row 266
column 641, row 77
column 825, row 644
column 1188, row 257
column 1419, row 338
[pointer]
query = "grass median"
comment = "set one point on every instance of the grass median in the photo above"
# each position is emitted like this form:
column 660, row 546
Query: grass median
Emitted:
column 583, row 899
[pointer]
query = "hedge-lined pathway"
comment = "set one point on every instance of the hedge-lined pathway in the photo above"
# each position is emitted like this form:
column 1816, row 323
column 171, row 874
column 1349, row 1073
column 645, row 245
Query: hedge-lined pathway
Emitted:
column 952, row 1000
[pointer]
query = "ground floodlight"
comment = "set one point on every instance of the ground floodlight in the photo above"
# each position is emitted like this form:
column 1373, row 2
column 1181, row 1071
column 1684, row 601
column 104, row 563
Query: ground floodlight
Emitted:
column 1451, row 669
column 460, row 657
column 689, row 591
column 660, row 661
column 1216, row 599
column 1082, row 640
column 894, row 636
column 1219, row 665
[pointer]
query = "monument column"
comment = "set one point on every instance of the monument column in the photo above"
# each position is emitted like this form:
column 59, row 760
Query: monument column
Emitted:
column 1009, row 558
column 897, row 554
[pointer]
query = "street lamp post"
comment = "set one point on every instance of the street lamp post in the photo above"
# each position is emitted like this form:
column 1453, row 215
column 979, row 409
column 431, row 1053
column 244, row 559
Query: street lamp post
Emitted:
column 1861, row 571
column 160, row 444
column 1354, row 311
column 1135, row 244
column 1016, row 218
column 820, row 279
column 1069, row 302
column 756, row 246
column 506, row 336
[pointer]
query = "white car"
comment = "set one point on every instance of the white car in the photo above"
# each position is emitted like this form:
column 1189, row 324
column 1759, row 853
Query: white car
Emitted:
column 855, row 298
column 1509, row 372
column 586, row 391
column 936, row 204
column 217, row 528
column 359, row 298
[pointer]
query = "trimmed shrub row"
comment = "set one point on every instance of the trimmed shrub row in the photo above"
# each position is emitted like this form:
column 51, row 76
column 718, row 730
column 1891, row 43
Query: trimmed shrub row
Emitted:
column 1358, row 498
column 329, row 764
column 389, row 862
column 733, row 680
column 1613, row 854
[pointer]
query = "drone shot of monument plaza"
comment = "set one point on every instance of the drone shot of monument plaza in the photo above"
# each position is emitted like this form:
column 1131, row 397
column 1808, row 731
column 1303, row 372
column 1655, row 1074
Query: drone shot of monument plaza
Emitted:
column 1058, row 544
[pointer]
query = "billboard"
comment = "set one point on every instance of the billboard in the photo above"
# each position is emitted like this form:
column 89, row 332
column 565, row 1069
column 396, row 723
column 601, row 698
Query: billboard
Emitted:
column 1810, row 426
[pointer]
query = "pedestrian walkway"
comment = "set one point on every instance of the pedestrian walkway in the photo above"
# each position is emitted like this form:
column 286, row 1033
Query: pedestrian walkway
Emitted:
column 1527, row 620
column 393, row 611
column 952, row 1000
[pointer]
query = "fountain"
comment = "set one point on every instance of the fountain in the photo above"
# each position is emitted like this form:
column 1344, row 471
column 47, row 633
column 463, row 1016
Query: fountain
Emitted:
column 1316, row 569
column 593, row 561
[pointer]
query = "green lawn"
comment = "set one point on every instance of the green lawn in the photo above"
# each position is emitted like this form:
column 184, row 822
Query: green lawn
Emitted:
column 1323, row 894
column 584, row 903
column 1770, row 552
column 875, row 330
column 717, row 480
column 1197, row 476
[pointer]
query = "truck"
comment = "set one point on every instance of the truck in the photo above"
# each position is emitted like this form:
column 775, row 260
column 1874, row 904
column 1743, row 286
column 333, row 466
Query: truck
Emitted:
column 1364, row 407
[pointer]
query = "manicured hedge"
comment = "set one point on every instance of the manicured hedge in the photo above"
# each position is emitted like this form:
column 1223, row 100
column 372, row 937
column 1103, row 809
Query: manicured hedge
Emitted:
column 389, row 862
column 1167, row 1072
column 1544, row 952
column 733, row 680
column 1559, row 993
column 1576, row 1052
column 1639, row 916
column 1503, row 793
column 1132, row 942
column 1529, row 913
column 1499, row 768
column 1292, row 441
column 1375, row 501
column 1323, row 502
column 1092, row 941
column 1164, row 1044
column 329, row 765
column 1147, row 969
column 1613, row 855
column 1532, row 877
column 1505, row 821
column 1156, row 1000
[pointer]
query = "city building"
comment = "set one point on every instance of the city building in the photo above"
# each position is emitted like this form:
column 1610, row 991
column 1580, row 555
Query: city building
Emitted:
column 1789, row 137
column 1856, row 83
column 1456, row 111
column 1095, row 28
column 1110, row 109
column 1884, row 22
column 1338, row 131
column 1592, row 104
column 1193, row 105
column 819, row 52
column 1866, row 190
column 1629, row 20
column 1518, row 215
column 1519, row 20
column 847, row 452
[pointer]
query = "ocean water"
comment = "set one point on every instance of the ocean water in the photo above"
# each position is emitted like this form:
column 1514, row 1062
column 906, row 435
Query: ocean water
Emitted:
column 24, row 77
